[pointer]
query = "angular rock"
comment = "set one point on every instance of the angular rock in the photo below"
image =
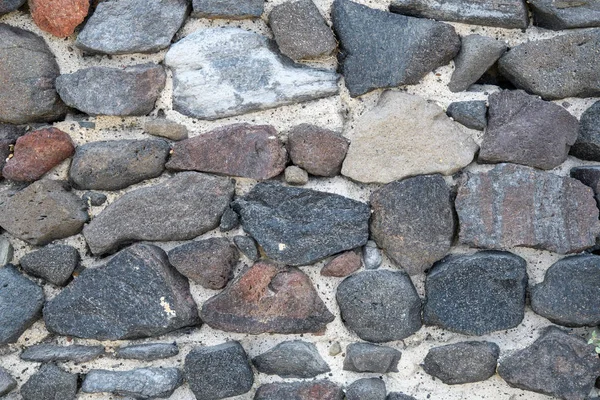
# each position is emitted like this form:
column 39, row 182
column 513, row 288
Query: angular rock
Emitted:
column 472, row 114
column 217, row 372
column 132, row 26
column 251, row 151
column 181, row 208
column 556, row 364
column 136, row 294
column 247, row 246
column 8, row 137
column 50, row 352
column 94, row 198
column 413, row 221
column 60, row 18
column 568, row 295
column 523, row 129
column 343, row 265
column 589, row 176
column 141, row 383
column 268, row 299
column 301, row 226
column 292, row 359
column 513, row 206
column 229, row 220
column 7, row 6
column 366, row 389
column 587, row 146
column 220, row 73
column 230, row 9
column 367, row 357
column 476, row 294
column 147, row 351
column 116, row 164
column 50, row 382
column 319, row 151
column 404, row 135
column 313, row 390
column 7, row 382
column 565, row 15
column 42, row 212
column 379, row 49
column 399, row 396
column 6, row 251
column 295, row 175
column 532, row 66
column 371, row 255
column 208, row 262
column 53, row 263
column 379, row 306
column 113, row 91
column 166, row 128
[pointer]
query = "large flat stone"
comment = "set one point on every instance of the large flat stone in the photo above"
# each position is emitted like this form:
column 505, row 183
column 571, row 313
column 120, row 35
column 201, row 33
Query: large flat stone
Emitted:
column 141, row 383
column 313, row 390
column 51, row 352
column 555, row 15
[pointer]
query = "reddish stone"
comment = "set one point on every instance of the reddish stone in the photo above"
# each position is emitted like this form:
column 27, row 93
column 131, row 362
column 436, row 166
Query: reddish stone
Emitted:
column 59, row 17
column 343, row 265
column 319, row 151
column 315, row 390
column 37, row 153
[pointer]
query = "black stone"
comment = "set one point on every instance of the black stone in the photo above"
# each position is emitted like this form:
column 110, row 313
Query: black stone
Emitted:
column 247, row 247
column 399, row 396
column 141, row 383
column 52, row 263
column 366, row 389
column 94, row 198
column 52, row 352
column 147, row 351
column 229, row 220
column 50, row 383
column 587, row 146
column 367, row 357
column 292, row 359
column 472, row 114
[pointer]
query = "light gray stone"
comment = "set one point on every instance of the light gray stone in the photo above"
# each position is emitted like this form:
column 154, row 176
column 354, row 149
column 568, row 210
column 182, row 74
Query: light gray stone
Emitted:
column 296, row 176
column 141, row 383
column 6, row 251
column 230, row 9
column 166, row 128
column 7, row 382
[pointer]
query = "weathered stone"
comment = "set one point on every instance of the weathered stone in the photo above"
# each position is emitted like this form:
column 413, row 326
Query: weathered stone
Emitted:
column 293, row 359
column 589, row 176
column 229, row 220
column 6, row 251
column 476, row 294
column 181, row 208
column 472, row 114
column 113, row 91
column 51, row 352
column 208, row 262
column 247, row 246
column 565, row 15
column 380, row 49
column 379, row 306
column 313, row 390
column 166, row 128
column 141, row 383
column 404, row 135
column 513, row 206
column 300, row 226
column 7, row 6
column 251, row 151
column 296, row 176
column 343, row 265
column 230, row 9
column 8, row 137
column 59, row 18
column 94, row 198
column 319, row 151
column 136, row 294
column 556, row 364
column 366, row 389
column 533, row 65
column 53, row 263
column 116, row 164
column 399, row 396
column 217, row 372
column 587, row 146
column 222, row 72
column 268, row 299
column 7, row 382
column 50, row 382
column 42, row 212
column 132, row 26
column 371, row 255
column 28, row 70
column 367, row 357
column 147, row 351
column 462, row 362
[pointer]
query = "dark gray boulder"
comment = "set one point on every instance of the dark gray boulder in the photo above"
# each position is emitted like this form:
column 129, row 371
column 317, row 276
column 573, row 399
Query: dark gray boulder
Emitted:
column 7, row 6
column 554, row 15
column 141, row 383
column 51, row 352
column 52, row 263
column 313, row 390
column 587, row 146
column 367, row 357
column 147, row 351
column 366, row 389
column 230, row 9
column 472, row 114
column 7, row 382
column 292, row 359
column 50, row 383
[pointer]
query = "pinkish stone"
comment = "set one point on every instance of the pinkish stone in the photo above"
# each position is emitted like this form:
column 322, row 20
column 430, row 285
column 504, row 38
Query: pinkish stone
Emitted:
column 343, row 265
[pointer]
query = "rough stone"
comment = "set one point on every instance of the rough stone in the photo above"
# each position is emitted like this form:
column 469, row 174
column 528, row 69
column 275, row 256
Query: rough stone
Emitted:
column 556, row 364
column 217, row 372
column 147, row 351
column 116, row 164
column 113, row 91
column 50, row 352
column 49, row 383
column 513, row 206
column 136, row 294
column 399, row 396
column 404, row 135
column 319, row 151
column 94, row 198
column 6, row 251
column 222, row 72
column 60, row 18
column 181, row 208
column 367, row 357
column 292, row 359
column 7, row 382
column 463, row 362
column 472, row 114
column 7, row 6
column 296, row 176
column 250, row 151
column 229, row 220
column 313, row 390
column 141, row 383
column 247, row 246
column 230, row 9
column 379, row 306
column 166, row 128
column 371, row 255
column 208, row 262
column 587, row 146
column 268, row 299
column 301, row 226
column 53, row 263
column 8, row 137
column 343, row 265
column 589, row 175
column 565, row 15
column 476, row 294
column 301, row 31
column 132, row 26
column 366, row 389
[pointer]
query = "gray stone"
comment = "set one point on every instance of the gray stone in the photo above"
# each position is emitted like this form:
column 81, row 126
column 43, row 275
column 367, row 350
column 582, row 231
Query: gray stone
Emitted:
column 50, row 383
column 367, row 357
column 476, row 294
column 147, row 351
column 28, row 69
column 51, row 352
column 317, row 150
column 229, row 220
column 379, row 306
column 247, row 246
column 301, row 31
column 52, row 263
column 181, row 208
column 472, row 114
column 587, row 146
column 222, row 72
column 136, row 294
column 7, row 382
column 381, row 50
column 334, row 349
column 166, row 128
column 230, row 9
column 296, row 176
column 313, row 390
column 301, row 226
column 463, row 362
column 7, row 6
column 217, row 372
column 371, row 256
column 523, row 129
column 399, row 396
column 132, row 26
column 113, row 91
column 477, row 54
column 568, row 14
column 366, row 389
column 532, row 66
column 8, row 137
column 141, row 383
column 6, row 251
column 94, row 198
column 589, row 176
column 292, row 359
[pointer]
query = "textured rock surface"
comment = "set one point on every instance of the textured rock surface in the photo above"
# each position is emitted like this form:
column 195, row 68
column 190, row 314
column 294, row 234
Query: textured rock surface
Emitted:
column 343, row 265
column 300, row 226
column 147, row 351
column 472, row 114
column 142, row 383
column 379, row 306
column 8, row 137
column 50, row 352
column 292, row 359
column 367, row 357
column 53, row 263
column 229, row 220
column 476, row 294
column 7, row 382
column 180, row 208
column 404, row 135
column 380, row 49
column 519, row 206
column 399, row 396
column 7, row 6
column 587, row 146
column 589, row 176
column 220, row 73
column 366, row 389
column 268, row 299
column 94, row 198
column 247, row 246
column 166, row 128
column 136, row 294
column 371, row 255
column 295, row 175
column 318, row 151
column 50, row 382
column 230, row 9
column 59, row 18
column 565, row 15
column 6, row 251
column 132, row 26
column 313, row 390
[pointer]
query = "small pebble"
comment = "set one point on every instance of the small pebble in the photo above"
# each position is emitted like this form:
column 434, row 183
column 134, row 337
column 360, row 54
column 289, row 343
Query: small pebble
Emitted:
column 296, row 175
column 372, row 256
column 335, row 349
column 229, row 220
column 6, row 251
column 94, row 198
column 166, row 128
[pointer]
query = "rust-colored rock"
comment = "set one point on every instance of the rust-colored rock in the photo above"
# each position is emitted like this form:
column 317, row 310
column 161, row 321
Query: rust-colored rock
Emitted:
column 59, row 17
column 343, row 265
column 315, row 390
column 319, row 151
column 37, row 153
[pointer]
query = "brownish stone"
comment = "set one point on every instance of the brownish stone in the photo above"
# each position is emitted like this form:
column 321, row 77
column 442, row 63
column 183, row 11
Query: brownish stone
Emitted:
column 343, row 265
column 37, row 153
column 319, row 151
column 315, row 390
column 59, row 17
